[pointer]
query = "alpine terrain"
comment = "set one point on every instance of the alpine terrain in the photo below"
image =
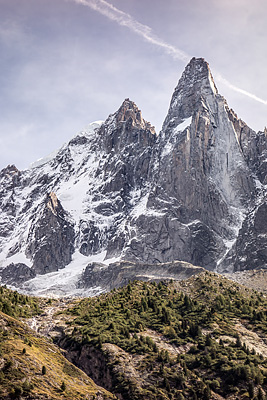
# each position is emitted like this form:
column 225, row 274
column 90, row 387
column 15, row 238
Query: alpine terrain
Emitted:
column 120, row 202
column 203, row 338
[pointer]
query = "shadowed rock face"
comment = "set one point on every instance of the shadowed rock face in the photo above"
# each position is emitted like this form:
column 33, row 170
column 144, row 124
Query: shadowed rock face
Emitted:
column 253, row 146
column 250, row 248
column 121, row 189
column 16, row 274
column 51, row 237
column 128, row 141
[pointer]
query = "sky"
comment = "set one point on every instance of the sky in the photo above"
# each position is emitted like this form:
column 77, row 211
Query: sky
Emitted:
column 67, row 63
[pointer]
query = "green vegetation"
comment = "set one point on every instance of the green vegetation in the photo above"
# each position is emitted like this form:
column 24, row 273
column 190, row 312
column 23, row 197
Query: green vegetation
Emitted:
column 194, row 339
column 183, row 334
column 18, row 305
column 32, row 367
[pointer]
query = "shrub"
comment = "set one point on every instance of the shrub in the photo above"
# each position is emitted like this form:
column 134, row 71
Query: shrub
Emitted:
column 63, row 386
column 16, row 392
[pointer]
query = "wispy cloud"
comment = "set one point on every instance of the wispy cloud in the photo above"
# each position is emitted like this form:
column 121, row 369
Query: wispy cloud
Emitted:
column 124, row 19
column 225, row 82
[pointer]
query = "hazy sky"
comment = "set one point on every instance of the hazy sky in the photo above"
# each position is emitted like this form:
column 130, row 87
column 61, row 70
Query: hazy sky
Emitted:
column 66, row 63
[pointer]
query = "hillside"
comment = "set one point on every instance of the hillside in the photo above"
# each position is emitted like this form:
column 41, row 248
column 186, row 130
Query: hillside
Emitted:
column 254, row 279
column 202, row 338
column 31, row 366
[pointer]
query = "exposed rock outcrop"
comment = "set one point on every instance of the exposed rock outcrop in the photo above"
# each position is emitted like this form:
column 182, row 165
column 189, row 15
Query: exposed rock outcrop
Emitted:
column 16, row 274
column 119, row 274
column 51, row 237
column 91, row 360
column 250, row 248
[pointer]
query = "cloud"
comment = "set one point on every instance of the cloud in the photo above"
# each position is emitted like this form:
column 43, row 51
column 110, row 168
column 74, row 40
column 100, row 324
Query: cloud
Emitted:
column 124, row 19
column 11, row 33
column 224, row 81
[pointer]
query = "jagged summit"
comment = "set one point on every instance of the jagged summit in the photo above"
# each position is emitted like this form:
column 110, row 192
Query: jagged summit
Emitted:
column 131, row 115
column 195, row 89
column 126, row 127
column 129, row 111
column 198, row 71
column 9, row 171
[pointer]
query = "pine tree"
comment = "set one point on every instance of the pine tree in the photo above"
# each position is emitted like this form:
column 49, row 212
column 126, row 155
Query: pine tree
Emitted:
column 207, row 393
column 251, row 390
column 238, row 342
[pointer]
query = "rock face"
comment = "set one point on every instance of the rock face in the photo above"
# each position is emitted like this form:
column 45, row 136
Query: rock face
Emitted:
column 201, row 182
column 51, row 237
column 250, row 248
column 193, row 193
column 126, row 141
column 119, row 274
column 91, row 360
column 16, row 274
column 253, row 146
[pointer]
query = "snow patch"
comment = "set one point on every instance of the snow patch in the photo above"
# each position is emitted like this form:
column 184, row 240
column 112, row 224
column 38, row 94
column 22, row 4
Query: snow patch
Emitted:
column 183, row 125
column 44, row 160
column 167, row 149
column 64, row 281
column 18, row 258
column 140, row 208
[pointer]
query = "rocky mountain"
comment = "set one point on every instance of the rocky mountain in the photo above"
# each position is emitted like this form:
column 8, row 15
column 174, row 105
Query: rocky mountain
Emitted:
column 119, row 192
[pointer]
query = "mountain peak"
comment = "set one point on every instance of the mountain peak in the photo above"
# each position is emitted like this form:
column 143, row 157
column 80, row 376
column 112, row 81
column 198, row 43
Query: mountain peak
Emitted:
column 10, row 170
column 130, row 114
column 127, row 110
column 196, row 84
column 196, row 71
column 124, row 193
column 127, row 103
column 127, row 117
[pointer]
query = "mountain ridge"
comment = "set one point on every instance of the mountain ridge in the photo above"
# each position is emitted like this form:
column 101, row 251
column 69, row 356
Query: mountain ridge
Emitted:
column 191, row 193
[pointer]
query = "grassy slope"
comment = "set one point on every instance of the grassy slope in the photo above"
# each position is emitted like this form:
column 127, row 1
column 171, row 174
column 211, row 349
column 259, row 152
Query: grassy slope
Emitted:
column 23, row 354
